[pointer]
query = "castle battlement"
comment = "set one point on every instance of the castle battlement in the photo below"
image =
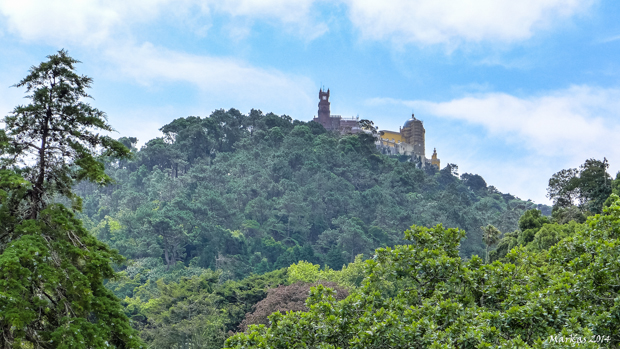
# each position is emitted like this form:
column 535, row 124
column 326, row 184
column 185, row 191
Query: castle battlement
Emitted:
column 409, row 140
column 334, row 122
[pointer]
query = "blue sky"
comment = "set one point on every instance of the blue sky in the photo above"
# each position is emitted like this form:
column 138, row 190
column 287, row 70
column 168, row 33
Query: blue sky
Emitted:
column 511, row 90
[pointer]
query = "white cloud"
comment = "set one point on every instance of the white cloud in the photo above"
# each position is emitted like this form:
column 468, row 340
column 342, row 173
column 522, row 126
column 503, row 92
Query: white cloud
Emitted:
column 578, row 119
column 454, row 21
column 62, row 21
column 93, row 22
column 285, row 10
column 219, row 79
column 403, row 21
column 549, row 132
column 609, row 39
column 295, row 15
column 526, row 178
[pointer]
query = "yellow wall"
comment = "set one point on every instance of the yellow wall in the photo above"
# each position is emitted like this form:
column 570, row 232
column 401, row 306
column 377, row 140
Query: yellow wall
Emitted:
column 391, row 135
column 435, row 160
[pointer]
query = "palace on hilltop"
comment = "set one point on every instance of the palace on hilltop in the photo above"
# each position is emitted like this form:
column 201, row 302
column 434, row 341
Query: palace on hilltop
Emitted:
column 409, row 140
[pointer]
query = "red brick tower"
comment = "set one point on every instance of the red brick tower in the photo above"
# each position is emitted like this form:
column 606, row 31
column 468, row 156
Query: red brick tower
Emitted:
column 324, row 112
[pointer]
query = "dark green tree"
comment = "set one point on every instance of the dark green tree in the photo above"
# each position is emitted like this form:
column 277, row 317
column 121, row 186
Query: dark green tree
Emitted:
column 529, row 224
column 589, row 186
column 563, row 187
column 52, row 271
column 53, row 139
column 532, row 219
column 334, row 258
column 594, row 184
column 474, row 181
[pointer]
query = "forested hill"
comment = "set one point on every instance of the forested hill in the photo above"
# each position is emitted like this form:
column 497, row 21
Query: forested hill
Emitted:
column 221, row 216
column 254, row 193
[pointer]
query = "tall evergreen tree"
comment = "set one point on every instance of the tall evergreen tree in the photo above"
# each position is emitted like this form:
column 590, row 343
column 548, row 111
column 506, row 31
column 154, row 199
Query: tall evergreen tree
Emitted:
column 53, row 140
column 52, row 270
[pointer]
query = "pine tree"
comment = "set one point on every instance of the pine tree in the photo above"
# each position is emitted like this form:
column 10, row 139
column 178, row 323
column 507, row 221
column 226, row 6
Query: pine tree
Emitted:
column 53, row 140
column 52, row 271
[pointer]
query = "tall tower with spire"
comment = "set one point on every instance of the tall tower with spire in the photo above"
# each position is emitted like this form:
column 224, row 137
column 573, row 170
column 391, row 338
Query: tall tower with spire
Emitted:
column 413, row 133
column 435, row 160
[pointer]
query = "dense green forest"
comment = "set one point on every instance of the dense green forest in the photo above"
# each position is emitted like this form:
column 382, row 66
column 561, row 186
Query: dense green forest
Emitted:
column 559, row 290
column 554, row 283
column 254, row 193
column 249, row 194
column 259, row 231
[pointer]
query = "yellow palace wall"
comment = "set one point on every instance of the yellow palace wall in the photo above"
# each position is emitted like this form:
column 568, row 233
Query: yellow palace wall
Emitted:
column 390, row 135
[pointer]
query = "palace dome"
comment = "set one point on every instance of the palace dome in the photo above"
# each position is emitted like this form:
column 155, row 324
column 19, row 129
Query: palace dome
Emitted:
column 411, row 121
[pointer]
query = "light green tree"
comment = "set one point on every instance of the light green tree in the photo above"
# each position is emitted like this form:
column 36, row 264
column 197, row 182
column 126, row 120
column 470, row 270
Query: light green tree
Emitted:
column 423, row 295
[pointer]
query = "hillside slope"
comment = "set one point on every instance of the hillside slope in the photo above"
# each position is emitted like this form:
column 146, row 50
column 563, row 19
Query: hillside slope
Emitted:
column 254, row 193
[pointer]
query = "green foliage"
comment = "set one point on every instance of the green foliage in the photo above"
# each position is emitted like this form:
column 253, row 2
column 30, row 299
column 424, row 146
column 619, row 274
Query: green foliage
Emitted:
column 184, row 313
column 292, row 190
column 615, row 184
column 349, row 276
column 53, row 140
column 52, row 271
column 197, row 311
column 576, row 194
column 563, row 187
column 564, row 215
column 529, row 224
column 588, row 187
column 490, row 236
column 474, row 181
column 424, row 295
column 245, row 194
column 308, row 272
column 532, row 219
column 537, row 232
column 550, row 234
column 595, row 184
column 52, row 274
